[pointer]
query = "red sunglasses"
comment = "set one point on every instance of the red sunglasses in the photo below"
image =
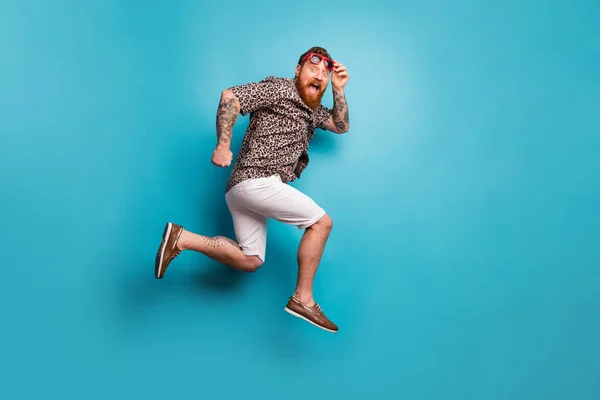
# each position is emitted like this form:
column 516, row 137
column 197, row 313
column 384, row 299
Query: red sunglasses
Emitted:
column 317, row 58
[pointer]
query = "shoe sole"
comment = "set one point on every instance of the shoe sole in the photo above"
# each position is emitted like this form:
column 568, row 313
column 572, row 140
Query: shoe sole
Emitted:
column 158, row 272
column 295, row 314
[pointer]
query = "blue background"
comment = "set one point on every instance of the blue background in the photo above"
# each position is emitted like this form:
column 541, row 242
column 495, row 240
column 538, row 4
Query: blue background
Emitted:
column 464, row 258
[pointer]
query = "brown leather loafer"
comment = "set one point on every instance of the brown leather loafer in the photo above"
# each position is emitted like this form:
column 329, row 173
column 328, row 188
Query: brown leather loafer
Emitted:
column 168, row 249
column 313, row 314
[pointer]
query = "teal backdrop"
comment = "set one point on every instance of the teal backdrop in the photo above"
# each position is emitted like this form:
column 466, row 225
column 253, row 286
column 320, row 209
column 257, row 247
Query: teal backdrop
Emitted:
column 464, row 260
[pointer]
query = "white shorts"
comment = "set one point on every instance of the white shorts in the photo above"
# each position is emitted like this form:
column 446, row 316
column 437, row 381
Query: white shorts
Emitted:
column 254, row 201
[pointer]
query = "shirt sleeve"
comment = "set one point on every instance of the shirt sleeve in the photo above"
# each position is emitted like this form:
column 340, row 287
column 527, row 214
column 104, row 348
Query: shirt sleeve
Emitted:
column 321, row 115
column 256, row 95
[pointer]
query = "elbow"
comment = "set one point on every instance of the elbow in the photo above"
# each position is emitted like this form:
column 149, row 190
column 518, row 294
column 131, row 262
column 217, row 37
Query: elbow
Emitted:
column 229, row 99
column 227, row 94
column 342, row 128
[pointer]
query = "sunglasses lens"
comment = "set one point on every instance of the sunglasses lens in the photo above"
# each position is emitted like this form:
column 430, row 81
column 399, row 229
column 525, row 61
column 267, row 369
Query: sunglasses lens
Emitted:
column 316, row 59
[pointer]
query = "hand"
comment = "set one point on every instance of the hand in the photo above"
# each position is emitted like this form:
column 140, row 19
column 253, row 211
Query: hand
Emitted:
column 222, row 156
column 340, row 76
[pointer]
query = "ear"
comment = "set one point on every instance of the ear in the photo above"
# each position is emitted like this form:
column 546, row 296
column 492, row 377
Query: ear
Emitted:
column 297, row 70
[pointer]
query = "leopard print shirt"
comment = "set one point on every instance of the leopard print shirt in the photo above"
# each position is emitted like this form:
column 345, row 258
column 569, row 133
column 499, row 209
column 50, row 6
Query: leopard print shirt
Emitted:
column 280, row 128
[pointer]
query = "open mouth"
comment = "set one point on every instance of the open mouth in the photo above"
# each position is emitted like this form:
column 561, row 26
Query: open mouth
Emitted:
column 313, row 88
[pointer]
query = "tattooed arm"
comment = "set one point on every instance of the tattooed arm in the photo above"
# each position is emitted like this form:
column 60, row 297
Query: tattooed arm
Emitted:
column 339, row 121
column 340, row 111
column 227, row 113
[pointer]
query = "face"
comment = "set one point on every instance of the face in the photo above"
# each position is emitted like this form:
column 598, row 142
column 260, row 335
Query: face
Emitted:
column 311, row 82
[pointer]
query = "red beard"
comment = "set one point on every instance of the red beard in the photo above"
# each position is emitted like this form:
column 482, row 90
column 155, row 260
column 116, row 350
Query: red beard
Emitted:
column 311, row 97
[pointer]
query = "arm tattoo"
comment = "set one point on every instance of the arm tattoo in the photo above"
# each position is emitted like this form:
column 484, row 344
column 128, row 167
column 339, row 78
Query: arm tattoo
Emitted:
column 226, row 116
column 340, row 111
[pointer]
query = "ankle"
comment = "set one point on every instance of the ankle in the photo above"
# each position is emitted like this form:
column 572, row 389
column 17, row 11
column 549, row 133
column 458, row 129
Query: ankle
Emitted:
column 182, row 242
column 305, row 298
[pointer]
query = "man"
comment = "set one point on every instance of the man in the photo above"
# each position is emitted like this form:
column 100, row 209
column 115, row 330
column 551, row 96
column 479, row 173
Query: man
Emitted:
column 284, row 114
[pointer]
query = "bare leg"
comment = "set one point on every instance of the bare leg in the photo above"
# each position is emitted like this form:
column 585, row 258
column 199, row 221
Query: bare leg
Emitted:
column 309, row 256
column 220, row 249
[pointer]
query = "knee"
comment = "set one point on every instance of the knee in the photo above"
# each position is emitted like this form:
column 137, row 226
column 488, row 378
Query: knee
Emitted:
column 324, row 224
column 252, row 264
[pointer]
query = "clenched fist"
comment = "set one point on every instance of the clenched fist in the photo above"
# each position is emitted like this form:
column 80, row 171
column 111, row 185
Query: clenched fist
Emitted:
column 222, row 156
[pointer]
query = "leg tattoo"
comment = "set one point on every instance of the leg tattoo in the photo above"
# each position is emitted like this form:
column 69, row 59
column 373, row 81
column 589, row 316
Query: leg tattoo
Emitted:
column 219, row 241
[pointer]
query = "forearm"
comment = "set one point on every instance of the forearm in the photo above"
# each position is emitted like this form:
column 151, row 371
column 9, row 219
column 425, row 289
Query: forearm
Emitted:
column 340, row 110
column 227, row 113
